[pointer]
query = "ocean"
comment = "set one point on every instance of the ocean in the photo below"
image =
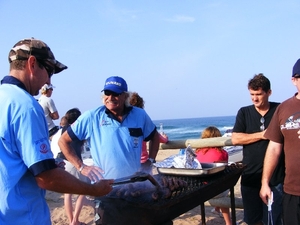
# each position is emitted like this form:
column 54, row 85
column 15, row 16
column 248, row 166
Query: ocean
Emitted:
column 181, row 129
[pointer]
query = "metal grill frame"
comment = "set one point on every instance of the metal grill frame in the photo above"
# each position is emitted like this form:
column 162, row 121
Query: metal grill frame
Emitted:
column 119, row 211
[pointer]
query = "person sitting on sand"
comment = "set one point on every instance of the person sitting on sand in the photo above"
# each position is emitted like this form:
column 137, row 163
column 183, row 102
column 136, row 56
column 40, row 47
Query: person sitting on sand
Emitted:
column 214, row 155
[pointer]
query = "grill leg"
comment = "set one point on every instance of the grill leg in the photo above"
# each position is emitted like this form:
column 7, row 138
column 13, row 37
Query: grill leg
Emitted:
column 202, row 208
column 232, row 201
column 98, row 212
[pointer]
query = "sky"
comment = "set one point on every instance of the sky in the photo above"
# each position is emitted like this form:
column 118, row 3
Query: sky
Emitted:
column 187, row 59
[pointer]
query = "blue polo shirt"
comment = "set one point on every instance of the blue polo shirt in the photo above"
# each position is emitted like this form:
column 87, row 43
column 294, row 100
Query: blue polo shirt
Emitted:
column 24, row 153
column 115, row 147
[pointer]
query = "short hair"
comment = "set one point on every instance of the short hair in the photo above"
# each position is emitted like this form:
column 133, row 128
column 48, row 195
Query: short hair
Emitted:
column 72, row 115
column 211, row 132
column 259, row 81
column 63, row 121
column 20, row 64
column 136, row 100
column 45, row 91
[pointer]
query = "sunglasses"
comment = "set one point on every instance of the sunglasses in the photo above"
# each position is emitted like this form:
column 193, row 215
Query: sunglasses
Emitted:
column 114, row 94
column 262, row 121
column 48, row 68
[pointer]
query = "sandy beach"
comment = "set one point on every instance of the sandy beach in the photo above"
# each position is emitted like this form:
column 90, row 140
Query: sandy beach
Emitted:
column 192, row 217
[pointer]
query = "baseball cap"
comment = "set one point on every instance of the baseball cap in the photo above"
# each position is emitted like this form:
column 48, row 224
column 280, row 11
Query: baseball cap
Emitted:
column 30, row 46
column 47, row 87
column 115, row 84
column 296, row 69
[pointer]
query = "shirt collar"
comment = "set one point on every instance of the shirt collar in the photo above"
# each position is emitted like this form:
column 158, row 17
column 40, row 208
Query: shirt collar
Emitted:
column 14, row 81
column 127, row 110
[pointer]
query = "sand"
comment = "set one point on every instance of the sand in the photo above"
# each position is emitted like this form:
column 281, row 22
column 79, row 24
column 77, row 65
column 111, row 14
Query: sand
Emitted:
column 192, row 217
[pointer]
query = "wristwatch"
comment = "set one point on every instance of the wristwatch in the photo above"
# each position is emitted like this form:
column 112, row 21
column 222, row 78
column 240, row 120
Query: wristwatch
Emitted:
column 151, row 160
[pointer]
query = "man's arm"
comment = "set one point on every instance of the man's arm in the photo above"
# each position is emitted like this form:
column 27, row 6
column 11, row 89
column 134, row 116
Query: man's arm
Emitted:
column 94, row 173
column 244, row 138
column 270, row 162
column 64, row 143
column 59, row 180
column 154, row 145
column 54, row 115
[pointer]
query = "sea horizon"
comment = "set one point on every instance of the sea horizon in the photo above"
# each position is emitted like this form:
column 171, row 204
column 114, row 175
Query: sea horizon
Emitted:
column 191, row 128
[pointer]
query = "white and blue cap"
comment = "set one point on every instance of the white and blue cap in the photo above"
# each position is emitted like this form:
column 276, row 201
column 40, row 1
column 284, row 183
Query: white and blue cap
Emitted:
column 115, row 84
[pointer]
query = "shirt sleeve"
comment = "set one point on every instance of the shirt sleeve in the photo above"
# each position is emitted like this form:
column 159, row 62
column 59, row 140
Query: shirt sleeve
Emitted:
column 32, row 142
column 239, row 125
column 51, row 106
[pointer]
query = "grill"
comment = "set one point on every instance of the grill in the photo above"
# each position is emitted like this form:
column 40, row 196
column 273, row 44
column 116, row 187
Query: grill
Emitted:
column 143, row 203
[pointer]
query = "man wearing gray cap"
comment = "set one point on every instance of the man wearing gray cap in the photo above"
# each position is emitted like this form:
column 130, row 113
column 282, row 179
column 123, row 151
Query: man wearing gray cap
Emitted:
column 115, row 132
column 27, row 166
column 283, row 131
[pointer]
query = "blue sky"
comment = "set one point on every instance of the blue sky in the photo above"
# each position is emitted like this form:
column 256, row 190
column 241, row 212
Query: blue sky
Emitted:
column 186, row 59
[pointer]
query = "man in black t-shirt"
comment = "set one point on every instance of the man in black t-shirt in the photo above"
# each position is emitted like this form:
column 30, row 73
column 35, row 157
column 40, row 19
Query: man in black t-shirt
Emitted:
column 250, row 126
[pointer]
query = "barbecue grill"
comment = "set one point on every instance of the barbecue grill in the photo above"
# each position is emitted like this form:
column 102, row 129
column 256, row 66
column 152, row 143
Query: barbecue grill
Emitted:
column 143, row 203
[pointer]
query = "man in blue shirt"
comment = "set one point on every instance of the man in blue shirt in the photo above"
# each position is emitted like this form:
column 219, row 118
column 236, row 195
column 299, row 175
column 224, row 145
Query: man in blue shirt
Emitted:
column 27, row 166
column 115, row 132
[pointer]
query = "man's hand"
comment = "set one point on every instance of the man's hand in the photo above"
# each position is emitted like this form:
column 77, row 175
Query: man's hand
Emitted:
column 263, row 135
column 265, row 193
column 103, row 187
column 94, row 173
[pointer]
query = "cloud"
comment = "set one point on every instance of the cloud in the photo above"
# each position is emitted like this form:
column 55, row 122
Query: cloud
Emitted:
column 181, row 19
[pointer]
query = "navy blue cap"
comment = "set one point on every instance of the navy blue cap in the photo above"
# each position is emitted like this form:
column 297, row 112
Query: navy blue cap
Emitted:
column 296, row 68
column 115, row 84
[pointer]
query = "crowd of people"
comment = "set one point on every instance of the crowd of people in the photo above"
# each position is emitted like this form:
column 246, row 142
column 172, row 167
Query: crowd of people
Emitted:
column 268, row 131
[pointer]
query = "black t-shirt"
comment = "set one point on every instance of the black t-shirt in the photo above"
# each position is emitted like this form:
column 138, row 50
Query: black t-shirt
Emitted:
column 248, row 120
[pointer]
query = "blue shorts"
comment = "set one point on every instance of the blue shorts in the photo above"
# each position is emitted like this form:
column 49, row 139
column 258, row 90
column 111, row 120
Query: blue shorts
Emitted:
column 254, row 208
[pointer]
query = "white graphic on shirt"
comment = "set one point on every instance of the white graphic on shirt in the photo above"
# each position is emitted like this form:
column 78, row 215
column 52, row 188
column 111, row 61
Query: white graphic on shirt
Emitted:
column 293, row 122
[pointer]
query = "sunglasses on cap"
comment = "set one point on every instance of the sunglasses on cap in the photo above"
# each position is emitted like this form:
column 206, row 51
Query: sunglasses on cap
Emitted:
column 48, row 68
column 109, row 93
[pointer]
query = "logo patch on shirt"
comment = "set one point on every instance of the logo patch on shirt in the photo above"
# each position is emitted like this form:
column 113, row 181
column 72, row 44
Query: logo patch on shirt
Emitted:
column 105, row 123
column 135, row 142
column 43, row 148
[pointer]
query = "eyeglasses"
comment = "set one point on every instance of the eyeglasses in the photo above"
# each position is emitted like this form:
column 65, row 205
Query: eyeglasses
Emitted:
column 109, row 93
column 50, row 70
column 262, row 121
